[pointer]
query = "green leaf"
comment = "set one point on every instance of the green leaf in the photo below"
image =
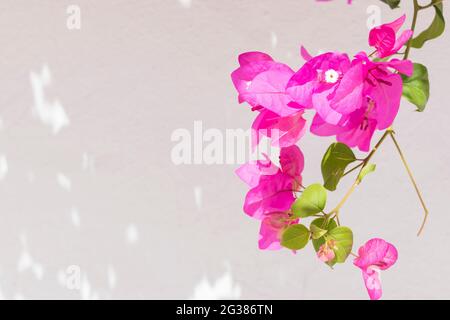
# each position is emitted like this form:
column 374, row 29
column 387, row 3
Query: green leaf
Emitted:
column 366, row 170
column 312, row 201
column 417, row 87
column 344, row 242
column 320, row 223
column 435, row 29
column 317, row 243
column 392, row 3
column 317, row 232
column 334, row 162
column 295, row 237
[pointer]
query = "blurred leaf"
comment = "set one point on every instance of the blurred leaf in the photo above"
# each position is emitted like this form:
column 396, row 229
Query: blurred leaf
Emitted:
column 366, row 170
column 320, row 223
column 317, row 243
column 312, row 201
column 334, row 162
column 295, row 237
column 344, row 242
column 392, row 3
column 317, row 232
column 435, row 29
column 417, row 87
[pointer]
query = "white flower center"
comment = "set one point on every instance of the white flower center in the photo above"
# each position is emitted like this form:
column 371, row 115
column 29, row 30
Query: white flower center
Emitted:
column 331, row 76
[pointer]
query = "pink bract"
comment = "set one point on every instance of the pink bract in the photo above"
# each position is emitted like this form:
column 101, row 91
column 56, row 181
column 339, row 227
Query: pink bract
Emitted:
column 283, row 131
column 252, row 171
column 272, row 188
column 261, row 82
column 381, row 94
column 384, row 38
column 273, row 194
column 272, row 227
column 327, row 83
column 374, row 256
column 326, row 252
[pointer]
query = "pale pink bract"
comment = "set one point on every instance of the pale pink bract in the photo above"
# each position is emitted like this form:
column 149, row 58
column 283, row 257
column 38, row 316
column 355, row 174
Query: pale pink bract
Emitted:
column 272, row 188
column 374, row 256
column 272, row 227
column 261, row 82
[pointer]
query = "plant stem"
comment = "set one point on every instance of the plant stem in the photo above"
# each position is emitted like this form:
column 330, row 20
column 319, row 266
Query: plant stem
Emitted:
column 374, row 150
column 411, row 177
column 431, row 4
column 413, row 27
column 390, row 132
column 357, row 181
column 353, row 169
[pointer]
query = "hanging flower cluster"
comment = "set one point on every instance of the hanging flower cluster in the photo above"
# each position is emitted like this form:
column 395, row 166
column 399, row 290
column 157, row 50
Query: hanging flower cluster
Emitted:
column 351, row 99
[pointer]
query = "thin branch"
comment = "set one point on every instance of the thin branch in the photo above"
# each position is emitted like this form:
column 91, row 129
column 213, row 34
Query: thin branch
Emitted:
column 411, row 177
column 413, row 28
column 357, row 181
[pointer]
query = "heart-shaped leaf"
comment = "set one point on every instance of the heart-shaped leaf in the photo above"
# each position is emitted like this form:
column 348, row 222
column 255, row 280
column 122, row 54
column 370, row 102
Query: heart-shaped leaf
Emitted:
column 417, row 87
column 334, row 162
column 312, row 201
column 343, row 238
column 435, row 29
column 321, row 223
column 317, row 232
column 295, row 237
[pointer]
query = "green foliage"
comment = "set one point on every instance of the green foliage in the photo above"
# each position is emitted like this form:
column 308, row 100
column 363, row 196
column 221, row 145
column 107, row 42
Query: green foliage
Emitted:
column 344, row 242
column 417, row 87
column 317, row 232
column 435, row 29
column 334, row 163
column 311, row 202
column 369, row 168
column 320, row 223
column 392, row 3
column 295, row 237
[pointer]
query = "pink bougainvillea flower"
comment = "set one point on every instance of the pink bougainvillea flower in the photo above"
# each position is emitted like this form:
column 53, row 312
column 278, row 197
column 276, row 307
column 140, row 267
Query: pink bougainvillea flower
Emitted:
column 382, row 91
column 252, row 171
column 261, row 82
column 283, row 131
column 326, row 251
column 272, row 188
column 383, row 87
column 273, row 194
column 357, row 131
column 272, row 227
column 374, row 256
column 292, row 163
column 384, row 38
column 329, row 84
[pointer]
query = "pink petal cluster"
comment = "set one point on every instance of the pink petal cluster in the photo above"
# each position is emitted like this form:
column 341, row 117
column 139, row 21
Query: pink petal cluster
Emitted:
column 374, row 256
column 366, row 98
column 352, row 98
column 384, row 38
column 272, row 192
column 261, row 82
column 326, row 251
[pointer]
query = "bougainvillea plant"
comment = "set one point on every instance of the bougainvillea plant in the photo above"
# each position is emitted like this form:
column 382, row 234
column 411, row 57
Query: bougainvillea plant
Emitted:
column 352, row 98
